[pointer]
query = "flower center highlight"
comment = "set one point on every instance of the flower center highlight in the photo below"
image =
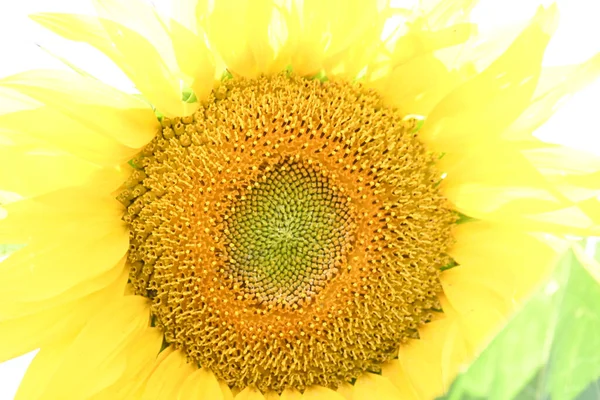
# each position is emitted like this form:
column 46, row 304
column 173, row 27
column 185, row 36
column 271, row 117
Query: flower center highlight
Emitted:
column 289, row 233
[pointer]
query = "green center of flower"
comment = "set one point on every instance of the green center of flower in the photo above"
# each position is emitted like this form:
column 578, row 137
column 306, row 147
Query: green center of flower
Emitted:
column 289, row 233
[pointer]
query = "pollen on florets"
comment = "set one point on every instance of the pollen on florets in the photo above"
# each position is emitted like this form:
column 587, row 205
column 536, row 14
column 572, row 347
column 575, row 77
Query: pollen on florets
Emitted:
column 289, row 233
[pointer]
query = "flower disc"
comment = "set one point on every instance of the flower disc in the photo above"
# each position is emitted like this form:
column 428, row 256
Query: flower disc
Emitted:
column 289, row 233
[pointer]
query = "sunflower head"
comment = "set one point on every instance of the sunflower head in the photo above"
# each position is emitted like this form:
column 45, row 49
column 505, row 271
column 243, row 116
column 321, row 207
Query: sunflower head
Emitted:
column 289, row 233
column 277, row 211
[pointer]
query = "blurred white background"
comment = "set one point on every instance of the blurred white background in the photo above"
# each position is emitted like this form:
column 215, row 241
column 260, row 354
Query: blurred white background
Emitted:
column 577, row 38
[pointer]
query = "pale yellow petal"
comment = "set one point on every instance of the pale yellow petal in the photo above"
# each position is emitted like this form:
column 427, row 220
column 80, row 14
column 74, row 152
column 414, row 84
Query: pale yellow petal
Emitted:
column 291, row 394
column 18, row 307
column 481, row 252
column 346, row 389
column 432, row 361
column 369, row 386
column 551, row 90
column 444, row 13
column 227, row 393
column 32, row 331
column 321, row 30
column 352, row 59
column 143, row 18
column 575, row 173
column 58, row 212
column 482, row 178
column 28, row 333
column 179, row 45
column 239, row 32
column 194, row 59
column 42, row 369
column 167, row 378
column 416, row 86
column 31, row 171
column 133, row 53
column 51, row 266
column 184, row 12
column 138, row 356
column 395, row 373
column 321, row 393
column 490, row 282
column 135, row 387
column 201, row 385
column 69, row 134
column 421, row 40
column 482, row 108
column 95, row 359
column 271, row 396
column 108, row 111
column 250, row 394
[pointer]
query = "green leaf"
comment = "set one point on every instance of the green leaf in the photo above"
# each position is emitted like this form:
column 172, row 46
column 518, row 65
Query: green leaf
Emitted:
column 591, row 392
column 549, row 349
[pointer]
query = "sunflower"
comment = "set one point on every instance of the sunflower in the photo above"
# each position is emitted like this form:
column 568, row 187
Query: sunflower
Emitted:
column 295, row 205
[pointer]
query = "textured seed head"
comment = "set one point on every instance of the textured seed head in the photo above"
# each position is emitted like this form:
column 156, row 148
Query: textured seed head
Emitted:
column 289, row 233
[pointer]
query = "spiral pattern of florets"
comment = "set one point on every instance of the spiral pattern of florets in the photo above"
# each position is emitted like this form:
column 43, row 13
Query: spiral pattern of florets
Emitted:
column 289, row 233
column 287, row 236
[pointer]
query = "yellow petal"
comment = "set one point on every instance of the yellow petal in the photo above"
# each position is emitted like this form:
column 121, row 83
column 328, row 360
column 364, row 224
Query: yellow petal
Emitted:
column 246, row 50
column 249, row 394
column 42, row 369
column 420, row 41
column 320, row 30
column 350, row 59
column 369, row 386
column 483, row 178
column 574, row 172
column 184, row 12
column 99, row 347
column 138, row 356
column 346, row 390
column 432, row 361
column 321, row 393
column 227, row 393
column 271, row 396
column 28, row 333
column 444, row 13
column 53, row 266
column 201, row 385
column 60, row 211
column 482, row 108
column 17, row 307
column 138, row 59
column 32, row 331
column 180, row 47
column 110, row 112
column 194, row 59
column 291, row 394
column 395, row 373
column 167, row 378
column 40, row 170
column 551, row 90
column 481, row 251
column 71, row 135
column 143, row 18
column 415, row 87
